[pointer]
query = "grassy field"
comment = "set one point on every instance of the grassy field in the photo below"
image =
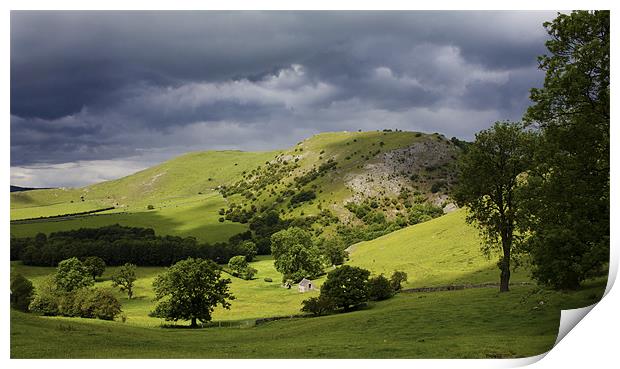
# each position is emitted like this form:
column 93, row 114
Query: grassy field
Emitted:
column 193, row 216
column 441, row 251
column 465, row 323
column 254, row 299
column 475, row 323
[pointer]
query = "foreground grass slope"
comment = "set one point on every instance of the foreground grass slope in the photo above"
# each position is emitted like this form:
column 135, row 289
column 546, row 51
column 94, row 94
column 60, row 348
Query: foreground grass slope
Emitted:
column 441, row 251
column 475, row 323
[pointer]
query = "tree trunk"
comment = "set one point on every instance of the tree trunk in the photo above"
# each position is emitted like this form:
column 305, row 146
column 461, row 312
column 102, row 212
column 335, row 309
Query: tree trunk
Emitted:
column 505, row 266
column 194, row 325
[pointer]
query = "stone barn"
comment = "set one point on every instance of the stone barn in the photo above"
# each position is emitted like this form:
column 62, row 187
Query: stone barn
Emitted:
column 305, row 285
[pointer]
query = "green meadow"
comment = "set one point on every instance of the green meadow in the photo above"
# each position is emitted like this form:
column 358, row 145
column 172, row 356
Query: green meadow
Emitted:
column 474, row 323
column 470, row 323
column 185, row 201
column 193, row 216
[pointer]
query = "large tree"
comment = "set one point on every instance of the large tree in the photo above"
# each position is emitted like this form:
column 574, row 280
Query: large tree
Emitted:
column 488, row 180
column 296, row 256
column 190, row 290
column 346, row 287
column 569, row 186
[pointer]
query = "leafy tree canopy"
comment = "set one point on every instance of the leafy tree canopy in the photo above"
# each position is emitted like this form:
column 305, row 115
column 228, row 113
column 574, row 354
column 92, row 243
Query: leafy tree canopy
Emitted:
column 568, row 189
column 346, row 287
column 72, row 274
column 296, row 256
column 488, row 179
column 190, row 290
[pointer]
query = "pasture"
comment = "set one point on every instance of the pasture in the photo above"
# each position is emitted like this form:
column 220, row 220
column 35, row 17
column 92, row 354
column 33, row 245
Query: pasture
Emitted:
column 474, row 323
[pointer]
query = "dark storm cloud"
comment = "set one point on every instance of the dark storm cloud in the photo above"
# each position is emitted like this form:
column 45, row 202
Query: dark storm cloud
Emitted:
column 115, row 85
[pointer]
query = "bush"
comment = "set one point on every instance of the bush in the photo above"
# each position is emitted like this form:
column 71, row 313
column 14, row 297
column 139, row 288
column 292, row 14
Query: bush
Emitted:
column 22, row 292
column 268, row 280
column 397, row 278
column 347, row 287
column 303, row 196
column 379, row 288
column 318, row 306
column 46, row 299
column 101, row 304
column 150, row 207
column 90, row 303
column 250, row 250
column 95, row 266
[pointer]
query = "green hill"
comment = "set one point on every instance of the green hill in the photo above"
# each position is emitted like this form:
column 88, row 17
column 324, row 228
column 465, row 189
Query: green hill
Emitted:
column 442, row 251
column 189, row 192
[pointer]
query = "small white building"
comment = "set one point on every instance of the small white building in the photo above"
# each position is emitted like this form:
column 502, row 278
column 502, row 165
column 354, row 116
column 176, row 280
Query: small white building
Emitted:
column 305, row 285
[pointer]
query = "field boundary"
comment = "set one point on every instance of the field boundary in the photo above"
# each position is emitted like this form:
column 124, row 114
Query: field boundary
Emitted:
column 61, row 216
column 459, row 287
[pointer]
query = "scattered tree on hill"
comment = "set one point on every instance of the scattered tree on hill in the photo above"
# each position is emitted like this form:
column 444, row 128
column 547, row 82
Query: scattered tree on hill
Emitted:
column 190, row 290
column 346, row 287
column 22, row 292
column 250, row 250
column 296, row 256
column 333, row 250
column 568, row 190
column 239, row 267
column 488, row 182
column 397, row 279
column 379, row 288
column 72, row 274
column 303, row 196
column 95, row 265
column 124, row 278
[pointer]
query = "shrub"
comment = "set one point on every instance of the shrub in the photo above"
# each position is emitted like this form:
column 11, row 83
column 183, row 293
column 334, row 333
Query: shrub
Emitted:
column 150, row 207
column 221, row 219
column 379, row 288
column 46, row 299
column 90, row 303
column 240, row 267
column 318, row 305
column 95, row 266
column 22, row 292
column 303, row 196
column 268, row 280
column 397, row 278
column 250, row 250
column 101, row 304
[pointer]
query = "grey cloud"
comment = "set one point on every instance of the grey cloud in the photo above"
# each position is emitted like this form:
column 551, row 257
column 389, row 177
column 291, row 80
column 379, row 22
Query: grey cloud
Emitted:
column 92, row 86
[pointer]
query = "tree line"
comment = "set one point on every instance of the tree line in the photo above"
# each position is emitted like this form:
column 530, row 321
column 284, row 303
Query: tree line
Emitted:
column 117, row 245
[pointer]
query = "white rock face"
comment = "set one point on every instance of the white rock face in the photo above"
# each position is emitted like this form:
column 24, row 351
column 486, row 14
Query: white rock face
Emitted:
column 391, row 171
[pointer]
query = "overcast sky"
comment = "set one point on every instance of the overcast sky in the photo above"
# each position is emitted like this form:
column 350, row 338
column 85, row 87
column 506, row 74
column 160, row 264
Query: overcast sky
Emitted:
column 99, row 95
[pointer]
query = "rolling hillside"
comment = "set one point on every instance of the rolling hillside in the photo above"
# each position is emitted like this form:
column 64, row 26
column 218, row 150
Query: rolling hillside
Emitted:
column 189, row 193
column 442, row 251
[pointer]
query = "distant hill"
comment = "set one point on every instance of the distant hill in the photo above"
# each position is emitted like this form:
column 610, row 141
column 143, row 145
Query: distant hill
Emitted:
column 21, row 189
column 320, row 175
